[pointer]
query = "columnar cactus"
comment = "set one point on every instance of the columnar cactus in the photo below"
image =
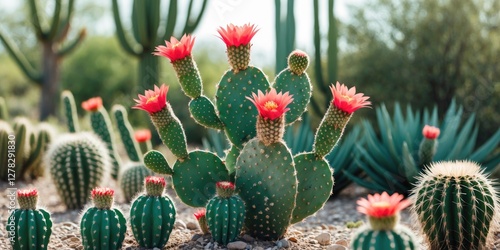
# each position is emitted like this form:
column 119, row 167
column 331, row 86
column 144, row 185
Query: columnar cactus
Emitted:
column 77, row 162
column 456, row 205
column 428, row 146
column 277, row 187
column 152, row 215
column 102, row 226
column 70, row 113
column 29, row 227
column 383, row 231
column 225, row 214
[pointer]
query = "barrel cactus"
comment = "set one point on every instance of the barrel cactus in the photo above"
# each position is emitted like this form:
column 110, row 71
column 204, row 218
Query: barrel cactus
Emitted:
column 456, row 205
column 383, row 231
column 225, row 214
column 78, row 162
column 152, row 215
column 102, row 226
column 29, row 227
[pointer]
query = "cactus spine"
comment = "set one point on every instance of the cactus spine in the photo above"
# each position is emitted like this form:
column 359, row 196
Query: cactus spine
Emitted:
column 456, row 206
column 152, row 215
column 29, row 227
column 102, row 226
column 78, row 162
column 225, row 214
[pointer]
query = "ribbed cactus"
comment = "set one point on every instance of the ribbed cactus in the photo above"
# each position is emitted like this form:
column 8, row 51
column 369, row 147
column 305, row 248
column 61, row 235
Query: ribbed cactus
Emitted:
column 277, row 187
column 70, row 113
column 102, row 226
column 52, row 36
column 29, row 227
column 152, row 214
column 225, row 214
column 456, row 205
column 78, row 163
column 132, row 179
column 383, row 231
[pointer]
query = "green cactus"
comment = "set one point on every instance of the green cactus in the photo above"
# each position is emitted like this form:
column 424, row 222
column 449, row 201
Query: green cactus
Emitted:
column 29, row 227
column 102, row 226
column 69, row 110
column 126, row 133
column 152, row 215
column 367, row 238
column 4, row 113
column 456, row 205
column 225, row 214
column 77, row 162
column 132, row 179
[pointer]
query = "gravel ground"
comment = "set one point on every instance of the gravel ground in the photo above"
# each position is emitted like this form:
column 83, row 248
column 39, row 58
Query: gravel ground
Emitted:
column 325, row 230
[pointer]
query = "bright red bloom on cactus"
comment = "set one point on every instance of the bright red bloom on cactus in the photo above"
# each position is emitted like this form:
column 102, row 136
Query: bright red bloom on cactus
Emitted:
column 234, row 35
column 271, row 105
column 156, row 180
column 153, row 100
column 142, row 135
column 347, row 100
column 101, row 191
column 92, row 104
column 225, row 185
column 175, row 49
column 27, row 192
column 382, row 205
column 200, row 213
column 431, row 132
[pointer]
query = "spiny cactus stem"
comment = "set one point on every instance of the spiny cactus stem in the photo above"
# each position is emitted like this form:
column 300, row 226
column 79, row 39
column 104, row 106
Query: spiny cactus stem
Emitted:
column 330, row 130
column 384, row 223
column 27, row 199
column 189, row 76
column 171, row 132
column 239, row 57
column 270, row 131
column 427, row 150
column 224, row 189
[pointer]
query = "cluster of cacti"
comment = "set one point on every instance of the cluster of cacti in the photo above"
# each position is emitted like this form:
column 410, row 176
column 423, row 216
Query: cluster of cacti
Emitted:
column 277, row 187
column 30, row 145
column 383, row 231
column 78, row 163
column 102, row 226
column 225, row 214
column 29, row 227
column 456, row 205
column 152, row 214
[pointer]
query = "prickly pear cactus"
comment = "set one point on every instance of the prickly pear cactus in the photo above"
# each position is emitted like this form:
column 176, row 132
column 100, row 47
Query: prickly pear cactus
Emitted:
column 77, row 164
column 225, row 214
column 456, row 205
column 29, row 227
column 102, row 226
column 132, row 179
column 152, row 215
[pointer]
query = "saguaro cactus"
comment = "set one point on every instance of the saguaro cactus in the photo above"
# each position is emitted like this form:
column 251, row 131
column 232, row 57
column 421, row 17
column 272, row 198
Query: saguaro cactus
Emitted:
column 145, row 29
column 54, row 49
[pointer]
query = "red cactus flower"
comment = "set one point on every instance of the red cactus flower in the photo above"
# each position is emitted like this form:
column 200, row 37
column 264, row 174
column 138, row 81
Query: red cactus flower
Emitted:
column 27, row 192
column 92, row 104
column 347, row 100
column 271, row 105
column 142, row 135
column 175, row 49
column 200, row 213
column 382, row 205
column 152, row 101
column 234, row 35
column 101, row 192
column 430, row 132
column 156, row 180
column 225, row 185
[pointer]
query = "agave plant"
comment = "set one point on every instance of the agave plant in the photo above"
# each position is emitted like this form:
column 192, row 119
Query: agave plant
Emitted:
column 391, row 158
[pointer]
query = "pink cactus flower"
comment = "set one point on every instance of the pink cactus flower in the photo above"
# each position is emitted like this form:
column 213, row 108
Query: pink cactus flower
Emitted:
column 382, row 205
column 102, row 192
column 234, row 35
column 430, row 132
column 152, row 101
column 175, row 49
column 271, row 105
column 158, row 180
column 347, row 100
column 32, row 192
column 200, row 213
column 92, row 104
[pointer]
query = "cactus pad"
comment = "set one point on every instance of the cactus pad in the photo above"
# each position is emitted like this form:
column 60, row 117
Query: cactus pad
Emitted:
column 155, row 161
column 299, row 87
column 203, row 111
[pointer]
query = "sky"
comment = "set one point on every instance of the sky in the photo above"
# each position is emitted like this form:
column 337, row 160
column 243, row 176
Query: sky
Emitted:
column 222, row 12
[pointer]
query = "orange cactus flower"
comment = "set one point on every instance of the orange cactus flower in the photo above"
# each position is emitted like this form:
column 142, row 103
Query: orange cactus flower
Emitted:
column 347, row 100
column 234, row 35
column 92, row 104
column 271, row 105
column 382, row 205
column 153, row 100
column 142, row 135
column 430, row 132
column 175, row 49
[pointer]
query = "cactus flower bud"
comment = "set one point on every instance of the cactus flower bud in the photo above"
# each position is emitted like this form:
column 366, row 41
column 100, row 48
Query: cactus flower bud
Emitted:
column 155, row 185
column 430, row 132
column 92, row 104
column 298, row 61
column 103, row 197
column 27, row 198
column 200, row 216
column 142, row 135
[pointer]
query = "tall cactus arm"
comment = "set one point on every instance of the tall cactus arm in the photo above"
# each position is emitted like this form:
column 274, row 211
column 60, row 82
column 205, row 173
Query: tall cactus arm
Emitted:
column 317, row 60
column 133, row 49
column 72, row 45
column 56, row 21
column 332, row 43
column 191, row 25
column 40, row 30
column 290, row 20
column 153, row 18
column 171, row 20
column 63, row 28
column 139, row 22
column 21, row 60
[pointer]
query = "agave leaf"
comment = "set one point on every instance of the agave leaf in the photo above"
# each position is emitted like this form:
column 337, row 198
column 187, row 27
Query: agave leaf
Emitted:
column 364, row 183
column 411, row 169
column 482, row 152
column 462, row 139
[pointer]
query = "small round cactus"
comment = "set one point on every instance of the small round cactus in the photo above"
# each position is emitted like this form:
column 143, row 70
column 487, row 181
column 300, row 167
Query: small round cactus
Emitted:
column 456, row 205
column 132, row 179
column 29, row 227
column 383, row 231
column 102, row 226
column 298, row 61
column 225, row 213
column 152, row 215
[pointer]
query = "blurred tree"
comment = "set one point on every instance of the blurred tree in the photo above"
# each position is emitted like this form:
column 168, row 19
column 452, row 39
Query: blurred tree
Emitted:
column 51, row 32
column 426, row 52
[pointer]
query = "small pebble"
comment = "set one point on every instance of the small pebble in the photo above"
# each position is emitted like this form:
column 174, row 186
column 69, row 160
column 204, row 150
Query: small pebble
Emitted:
column 195, row 237
column 248, row 238
column 191, row 225
column 283, row 243
column 342, row 242
column 180, row 225
column 208, row 246
column 258, row 248
column 293, row 239
column 237, row 245
column 323, row 238
column 336, row 247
